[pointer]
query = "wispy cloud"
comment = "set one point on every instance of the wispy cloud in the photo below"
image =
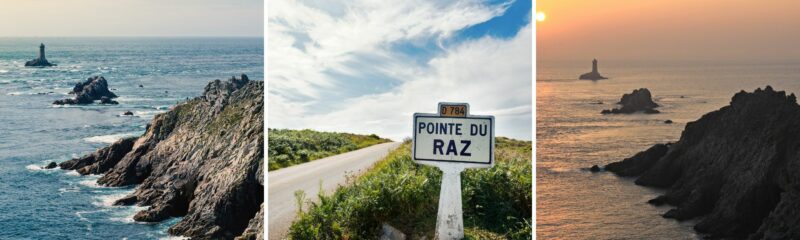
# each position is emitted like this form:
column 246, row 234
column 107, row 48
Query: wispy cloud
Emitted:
column 339, row 67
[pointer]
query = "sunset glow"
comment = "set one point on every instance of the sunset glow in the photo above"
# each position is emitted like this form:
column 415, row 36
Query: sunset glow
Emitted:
column 540, row 17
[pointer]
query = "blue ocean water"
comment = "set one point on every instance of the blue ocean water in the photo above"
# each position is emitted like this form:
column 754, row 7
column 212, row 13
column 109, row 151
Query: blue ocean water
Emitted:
column 58, row 204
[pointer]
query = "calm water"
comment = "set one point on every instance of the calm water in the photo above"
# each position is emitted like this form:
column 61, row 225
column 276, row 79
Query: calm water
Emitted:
column 572, row 134
column 57, row 204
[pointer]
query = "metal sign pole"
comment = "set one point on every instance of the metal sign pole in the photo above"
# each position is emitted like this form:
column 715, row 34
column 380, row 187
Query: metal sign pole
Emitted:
column 449, row 220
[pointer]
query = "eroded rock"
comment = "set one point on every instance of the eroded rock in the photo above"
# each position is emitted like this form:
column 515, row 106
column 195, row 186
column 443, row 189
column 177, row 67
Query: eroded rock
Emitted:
column 94, row 88
column 737, row 169
column 202, row 160
column 640, row 100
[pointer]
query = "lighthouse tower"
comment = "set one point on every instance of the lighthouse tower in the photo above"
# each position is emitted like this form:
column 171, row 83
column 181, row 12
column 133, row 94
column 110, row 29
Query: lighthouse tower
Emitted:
column 41, row 52
column 594, row 62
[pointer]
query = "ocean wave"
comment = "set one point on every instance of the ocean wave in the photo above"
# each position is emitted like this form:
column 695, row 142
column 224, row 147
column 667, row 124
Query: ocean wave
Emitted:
column 108, row 200
column 111, row 138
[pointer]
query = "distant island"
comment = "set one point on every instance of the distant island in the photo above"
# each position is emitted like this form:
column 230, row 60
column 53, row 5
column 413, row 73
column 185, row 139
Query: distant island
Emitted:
column 594, row 75
column 41, row 61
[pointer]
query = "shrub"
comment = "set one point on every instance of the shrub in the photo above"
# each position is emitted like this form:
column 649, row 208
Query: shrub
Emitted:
column 496, row 201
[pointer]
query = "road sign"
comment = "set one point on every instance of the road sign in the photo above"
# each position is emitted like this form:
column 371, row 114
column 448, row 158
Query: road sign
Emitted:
column 455, row 138
column 452, row 140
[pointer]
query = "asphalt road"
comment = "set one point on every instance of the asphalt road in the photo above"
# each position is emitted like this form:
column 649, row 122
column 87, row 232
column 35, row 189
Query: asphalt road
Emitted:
column 309, row 177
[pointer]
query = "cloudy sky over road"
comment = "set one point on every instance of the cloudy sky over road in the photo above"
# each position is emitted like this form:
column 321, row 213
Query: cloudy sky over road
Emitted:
column 367, row 66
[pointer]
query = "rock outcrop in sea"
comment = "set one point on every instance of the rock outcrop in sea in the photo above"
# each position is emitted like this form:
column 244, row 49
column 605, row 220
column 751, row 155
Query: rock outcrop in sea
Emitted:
column 639, row 100
column 202, row 160
column 736, row 170
column 94, row 88
column 41, row 61
column 594, row 74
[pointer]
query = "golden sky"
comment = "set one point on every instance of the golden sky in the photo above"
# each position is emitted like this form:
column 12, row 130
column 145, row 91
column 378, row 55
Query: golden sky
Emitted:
column 668, row 29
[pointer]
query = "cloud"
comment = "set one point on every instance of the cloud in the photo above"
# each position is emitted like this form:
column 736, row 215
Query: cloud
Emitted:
column 338, row 69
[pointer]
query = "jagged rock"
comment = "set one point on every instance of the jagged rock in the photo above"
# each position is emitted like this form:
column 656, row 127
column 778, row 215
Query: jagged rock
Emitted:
column 101, row 160
column 202, row 160
column 737, row 169
column 94, row 88
column 255, row 228
column 50, row 165
column 41, row 61
column 639, row 100
column 106, row 100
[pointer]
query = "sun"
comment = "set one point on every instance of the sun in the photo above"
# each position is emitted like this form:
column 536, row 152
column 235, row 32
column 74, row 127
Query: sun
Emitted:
column 540, row 16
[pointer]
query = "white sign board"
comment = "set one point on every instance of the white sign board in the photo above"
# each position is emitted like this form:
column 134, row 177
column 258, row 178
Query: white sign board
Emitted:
column 452, row 140
column 443, row 137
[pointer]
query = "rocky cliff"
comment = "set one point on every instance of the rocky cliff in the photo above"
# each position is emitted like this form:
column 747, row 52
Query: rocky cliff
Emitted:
column 736, row 170
column 202, row 161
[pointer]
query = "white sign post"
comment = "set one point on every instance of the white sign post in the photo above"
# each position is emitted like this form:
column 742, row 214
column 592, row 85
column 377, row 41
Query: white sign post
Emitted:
column 452, row 140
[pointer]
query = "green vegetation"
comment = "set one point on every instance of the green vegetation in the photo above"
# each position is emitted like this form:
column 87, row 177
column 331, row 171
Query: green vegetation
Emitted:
column 496, row 201
column 292, row 147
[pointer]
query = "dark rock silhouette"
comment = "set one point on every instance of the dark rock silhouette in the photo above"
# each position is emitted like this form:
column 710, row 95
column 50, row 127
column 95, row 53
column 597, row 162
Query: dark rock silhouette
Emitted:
column 594, row 168
column 737, row 169
column 41, row 61
column 594, row 74
column 202, row 160
column 127, row 113
column 50, row 165
column 94, row 88
column 639, row 100
column 668, row 121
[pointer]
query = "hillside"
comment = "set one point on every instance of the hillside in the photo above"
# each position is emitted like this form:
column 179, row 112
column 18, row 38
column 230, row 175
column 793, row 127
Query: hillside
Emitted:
column 291, row 147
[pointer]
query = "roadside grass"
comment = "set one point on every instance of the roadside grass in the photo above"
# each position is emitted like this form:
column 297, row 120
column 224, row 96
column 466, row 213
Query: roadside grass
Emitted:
column 291, row 147
column 496, row 201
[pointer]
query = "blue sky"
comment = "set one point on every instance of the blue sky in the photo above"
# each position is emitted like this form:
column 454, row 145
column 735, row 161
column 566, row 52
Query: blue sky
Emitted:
column 366, row 67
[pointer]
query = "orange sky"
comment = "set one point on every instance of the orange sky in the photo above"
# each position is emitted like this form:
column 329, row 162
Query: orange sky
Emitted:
column 669, row 29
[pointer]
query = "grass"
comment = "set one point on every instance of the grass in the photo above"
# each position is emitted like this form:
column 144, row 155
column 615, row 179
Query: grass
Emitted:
column 291, row 147
column 496, row 201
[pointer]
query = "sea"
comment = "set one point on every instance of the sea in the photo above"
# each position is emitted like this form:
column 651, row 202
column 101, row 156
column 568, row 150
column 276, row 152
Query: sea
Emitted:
column 572, row 135
column 148, row 74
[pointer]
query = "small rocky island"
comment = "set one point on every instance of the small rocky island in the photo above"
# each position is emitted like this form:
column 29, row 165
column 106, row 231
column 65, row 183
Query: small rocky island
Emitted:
column 736, row 170
column 639, row 100
column 41, row 61
column 94, row 88
column 202, row 160
column 594, row 74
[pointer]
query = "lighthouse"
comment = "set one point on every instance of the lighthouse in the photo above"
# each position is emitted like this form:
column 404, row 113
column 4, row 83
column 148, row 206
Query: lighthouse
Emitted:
column 42, row 58
column 594, row 62
column 594, row 74
column 41, row 61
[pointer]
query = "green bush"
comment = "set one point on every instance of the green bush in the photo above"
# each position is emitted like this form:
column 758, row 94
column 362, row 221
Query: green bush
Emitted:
column 496, row 201
column 292, row 147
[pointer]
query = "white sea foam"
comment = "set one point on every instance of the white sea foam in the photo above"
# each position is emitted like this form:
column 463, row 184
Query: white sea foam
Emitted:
column 111, row 138
column 73, row 173
column 108, row 200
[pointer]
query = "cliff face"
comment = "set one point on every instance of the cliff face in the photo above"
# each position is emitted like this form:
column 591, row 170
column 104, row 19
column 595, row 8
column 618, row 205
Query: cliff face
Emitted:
column 201, row 160
column 737, row 169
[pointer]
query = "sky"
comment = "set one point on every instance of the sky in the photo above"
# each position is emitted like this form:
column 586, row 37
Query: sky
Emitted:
column 69, row 18
column 366, row 66
column 682, row 30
